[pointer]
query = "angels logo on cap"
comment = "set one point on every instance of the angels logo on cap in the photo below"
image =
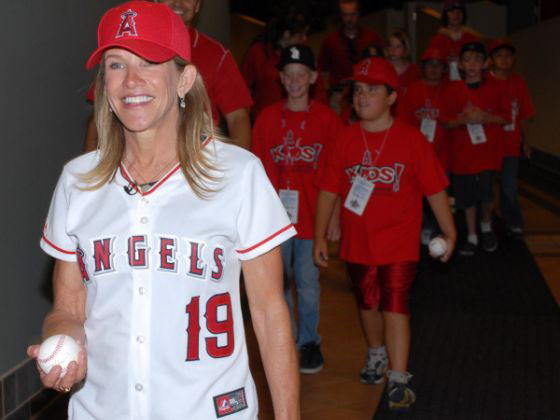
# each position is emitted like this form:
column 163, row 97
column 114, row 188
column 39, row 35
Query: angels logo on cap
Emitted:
column 295, row 53
column 364, row 66
column 128, row 25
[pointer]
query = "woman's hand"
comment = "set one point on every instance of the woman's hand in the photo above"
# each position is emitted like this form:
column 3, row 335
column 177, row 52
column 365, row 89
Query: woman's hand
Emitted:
column 75, row 372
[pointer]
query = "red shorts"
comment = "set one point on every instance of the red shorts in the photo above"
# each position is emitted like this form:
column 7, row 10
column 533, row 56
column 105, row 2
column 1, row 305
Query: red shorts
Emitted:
column 384, row 286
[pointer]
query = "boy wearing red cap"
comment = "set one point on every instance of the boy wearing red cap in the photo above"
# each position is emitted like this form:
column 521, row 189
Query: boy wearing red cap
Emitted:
column 474, row 113
column 518, row 100
column 381, row 168
column 421, row 107
column 292, row 137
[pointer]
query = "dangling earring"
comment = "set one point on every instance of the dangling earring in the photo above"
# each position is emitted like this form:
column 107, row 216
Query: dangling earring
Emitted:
column 110, row 110
column 182, row 102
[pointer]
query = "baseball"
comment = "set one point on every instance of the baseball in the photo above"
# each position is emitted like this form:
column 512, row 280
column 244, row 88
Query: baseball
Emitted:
column 57, row 350
column 437, row 247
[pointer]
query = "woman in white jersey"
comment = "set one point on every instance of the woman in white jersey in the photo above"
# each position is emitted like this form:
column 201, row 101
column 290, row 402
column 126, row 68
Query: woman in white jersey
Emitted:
column 150, row 233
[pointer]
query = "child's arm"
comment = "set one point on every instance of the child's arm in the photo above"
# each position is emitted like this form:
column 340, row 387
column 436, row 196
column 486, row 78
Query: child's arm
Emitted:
column 325, row 204
column 475, row 116
column 439, row 202
column 333, row 231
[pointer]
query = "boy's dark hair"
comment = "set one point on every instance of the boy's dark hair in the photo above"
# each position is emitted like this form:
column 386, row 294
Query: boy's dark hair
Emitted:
column 388, row 88
column 477, row 47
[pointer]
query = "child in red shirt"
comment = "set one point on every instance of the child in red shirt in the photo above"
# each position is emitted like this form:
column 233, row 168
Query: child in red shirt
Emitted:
column 474, row 113
column 421, row 107
column 381, row 167
column 453, row 35
column 292, row 137
column 398, row 53
column 502, row 53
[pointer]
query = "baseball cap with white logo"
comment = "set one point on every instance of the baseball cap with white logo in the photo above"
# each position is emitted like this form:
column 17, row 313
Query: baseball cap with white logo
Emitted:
column 375, row 71
column 298, row 53
column 149, row 30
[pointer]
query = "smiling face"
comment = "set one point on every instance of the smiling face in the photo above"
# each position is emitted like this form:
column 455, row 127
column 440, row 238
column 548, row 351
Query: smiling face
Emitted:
column 297, row 78
column 186, row 9
column 142, row 95
column 372, row 102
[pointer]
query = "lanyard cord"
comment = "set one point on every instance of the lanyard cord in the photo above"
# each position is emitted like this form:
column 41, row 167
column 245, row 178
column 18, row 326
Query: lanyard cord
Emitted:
column 283, row 124
column 367, row 154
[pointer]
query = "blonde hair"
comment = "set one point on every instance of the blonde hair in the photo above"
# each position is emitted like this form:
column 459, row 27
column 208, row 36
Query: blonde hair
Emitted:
column 404, row 39
column 196, row 126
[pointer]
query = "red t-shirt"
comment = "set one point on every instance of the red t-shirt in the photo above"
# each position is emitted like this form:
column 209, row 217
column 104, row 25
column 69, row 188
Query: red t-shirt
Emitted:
column 308, row 136
column 450, row 47
column 425, row 101
column 338, row 53
column 406, row 168
column 226, row 88
column 466, row 157
column 259, row 68
column 517, row 98
column 410, row 75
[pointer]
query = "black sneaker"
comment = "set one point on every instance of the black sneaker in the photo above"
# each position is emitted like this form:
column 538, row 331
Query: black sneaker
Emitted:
column 489, row 241
column 311, row 359
column 468, row 249
column 401, row 397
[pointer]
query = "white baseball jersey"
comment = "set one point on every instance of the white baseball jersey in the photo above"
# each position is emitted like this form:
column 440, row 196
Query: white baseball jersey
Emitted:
column 165, row 336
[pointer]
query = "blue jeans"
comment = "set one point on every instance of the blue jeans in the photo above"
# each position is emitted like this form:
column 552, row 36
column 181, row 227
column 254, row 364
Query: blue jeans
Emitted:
column 509, row 203
column 297, row 255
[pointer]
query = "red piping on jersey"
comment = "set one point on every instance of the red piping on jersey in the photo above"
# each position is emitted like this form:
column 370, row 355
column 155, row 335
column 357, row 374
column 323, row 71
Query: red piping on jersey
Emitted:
column 57, row 248
column 125, row 175
column 244, row 251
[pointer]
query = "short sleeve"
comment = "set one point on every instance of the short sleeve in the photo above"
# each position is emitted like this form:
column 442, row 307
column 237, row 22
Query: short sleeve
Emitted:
column 262, row 220
column 330, row 177
column 429, row 172
column 230, row 90
column 55, row 240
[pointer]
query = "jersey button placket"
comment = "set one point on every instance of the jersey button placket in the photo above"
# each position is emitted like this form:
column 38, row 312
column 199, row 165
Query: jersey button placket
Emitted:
column 142, row 278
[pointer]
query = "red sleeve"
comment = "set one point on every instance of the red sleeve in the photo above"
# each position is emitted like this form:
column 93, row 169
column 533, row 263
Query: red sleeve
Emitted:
column 332, row 173
column 405, row 109
column 335, row 127
column 260, row 146
column 231, row 91
column 428, row 170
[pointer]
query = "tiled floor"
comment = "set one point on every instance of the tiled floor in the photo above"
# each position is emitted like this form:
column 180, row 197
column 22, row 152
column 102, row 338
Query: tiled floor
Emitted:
column 336, row 393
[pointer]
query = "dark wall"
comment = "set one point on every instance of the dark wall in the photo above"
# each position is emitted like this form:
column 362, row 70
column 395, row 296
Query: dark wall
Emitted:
column 44, row 47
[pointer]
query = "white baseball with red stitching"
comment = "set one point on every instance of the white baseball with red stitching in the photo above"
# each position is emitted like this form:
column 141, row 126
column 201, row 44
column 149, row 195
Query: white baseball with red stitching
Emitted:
column 57, row 350
column 437, row 247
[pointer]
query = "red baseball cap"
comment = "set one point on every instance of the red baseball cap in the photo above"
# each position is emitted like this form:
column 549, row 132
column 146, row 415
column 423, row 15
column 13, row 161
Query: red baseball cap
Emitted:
column 149, row 30
column 433, row 53
column 496, row 44
column 375, row 71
